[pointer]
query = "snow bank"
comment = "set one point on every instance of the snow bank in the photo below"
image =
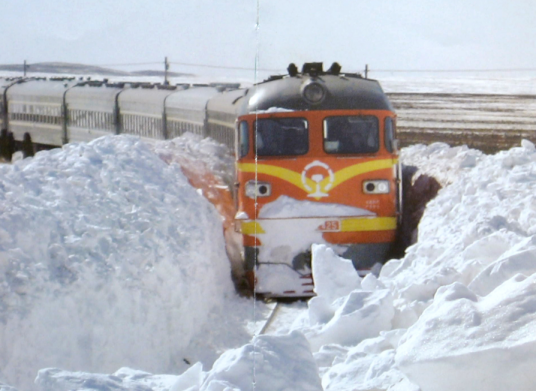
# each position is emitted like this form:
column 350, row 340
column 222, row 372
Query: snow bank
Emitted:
column 472, row 342
column 53, row 379
column 440, row 161
column 108, row 258
column 267, row 363
column 477, row 235
column 209, row 167
column 463, row 306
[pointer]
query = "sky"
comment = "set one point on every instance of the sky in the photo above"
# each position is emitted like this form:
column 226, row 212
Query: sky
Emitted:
column 269, row 34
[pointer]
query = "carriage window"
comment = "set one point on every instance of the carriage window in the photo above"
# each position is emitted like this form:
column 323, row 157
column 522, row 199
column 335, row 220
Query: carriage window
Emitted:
column 281, row 136
column 389, row 133
column 351, row 134
column 243, row 138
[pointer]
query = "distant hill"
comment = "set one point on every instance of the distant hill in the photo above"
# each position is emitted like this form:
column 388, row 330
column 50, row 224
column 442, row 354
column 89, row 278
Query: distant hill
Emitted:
column 158, row 73
column 81, row 69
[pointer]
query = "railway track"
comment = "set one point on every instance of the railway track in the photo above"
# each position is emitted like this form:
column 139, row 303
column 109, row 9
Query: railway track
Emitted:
column 271, row 317
column 282, row 313
column 481, row 121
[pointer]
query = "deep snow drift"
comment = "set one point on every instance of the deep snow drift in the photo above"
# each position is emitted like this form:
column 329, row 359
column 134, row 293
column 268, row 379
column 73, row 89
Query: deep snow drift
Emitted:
column 456, row 313
column 109, row 258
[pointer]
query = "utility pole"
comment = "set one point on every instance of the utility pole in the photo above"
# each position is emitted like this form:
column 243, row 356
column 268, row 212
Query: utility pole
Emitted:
column 366, row 71
column 166, row 67
column 25, row 67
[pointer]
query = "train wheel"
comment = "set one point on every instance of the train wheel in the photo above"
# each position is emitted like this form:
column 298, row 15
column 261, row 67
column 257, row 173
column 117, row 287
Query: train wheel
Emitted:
column 251, row 280
column 4, row 146
column 27, row 146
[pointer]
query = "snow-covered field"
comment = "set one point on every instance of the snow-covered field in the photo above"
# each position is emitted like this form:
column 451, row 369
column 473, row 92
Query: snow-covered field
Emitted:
column 114, row 276
column 517, row 83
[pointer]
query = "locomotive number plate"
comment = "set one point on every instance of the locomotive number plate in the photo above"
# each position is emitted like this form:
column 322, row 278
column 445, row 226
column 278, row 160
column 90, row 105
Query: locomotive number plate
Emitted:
column 330, row 226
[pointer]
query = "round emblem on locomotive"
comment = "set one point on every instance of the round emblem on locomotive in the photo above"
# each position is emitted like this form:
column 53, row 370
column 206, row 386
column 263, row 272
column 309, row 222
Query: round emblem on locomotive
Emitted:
column 317, row 171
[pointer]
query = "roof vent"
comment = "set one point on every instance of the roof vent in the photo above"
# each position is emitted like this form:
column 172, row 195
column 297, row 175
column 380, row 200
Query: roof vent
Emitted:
column 335, row 69
column 312, row 68
column 292, row 70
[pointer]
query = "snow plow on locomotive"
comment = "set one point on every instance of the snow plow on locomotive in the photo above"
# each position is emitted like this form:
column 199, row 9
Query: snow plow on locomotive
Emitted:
column 316, row 163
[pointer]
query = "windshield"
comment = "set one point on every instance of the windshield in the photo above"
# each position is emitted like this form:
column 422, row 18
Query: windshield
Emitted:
column 281, row 136
column 351, row 134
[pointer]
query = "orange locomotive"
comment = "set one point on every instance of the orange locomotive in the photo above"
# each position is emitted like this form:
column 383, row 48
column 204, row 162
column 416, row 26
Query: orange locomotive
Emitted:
column 316, row 163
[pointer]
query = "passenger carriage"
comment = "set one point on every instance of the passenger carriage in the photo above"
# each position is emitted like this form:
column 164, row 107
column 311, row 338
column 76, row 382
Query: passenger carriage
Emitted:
column 91, row 111
column 186, row 111
column 36, row 108
column 141, row 110
column 222, row 111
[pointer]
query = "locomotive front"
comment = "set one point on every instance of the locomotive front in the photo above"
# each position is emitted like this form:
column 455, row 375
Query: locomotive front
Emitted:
column 316, row 163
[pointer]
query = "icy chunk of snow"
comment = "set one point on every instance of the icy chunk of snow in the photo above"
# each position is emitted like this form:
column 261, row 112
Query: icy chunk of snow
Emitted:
column 268, row 363
column 241, row 216
column 359, row 315
column 273, row 110
column 519, row 260
column 528, row 145
column 191, row 379
column 334, row 276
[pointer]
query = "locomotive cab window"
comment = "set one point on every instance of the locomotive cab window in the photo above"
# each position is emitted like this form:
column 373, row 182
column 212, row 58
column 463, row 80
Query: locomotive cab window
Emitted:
column 281, row 137
column 389, row 134
column 351, row 134
column 243, row 138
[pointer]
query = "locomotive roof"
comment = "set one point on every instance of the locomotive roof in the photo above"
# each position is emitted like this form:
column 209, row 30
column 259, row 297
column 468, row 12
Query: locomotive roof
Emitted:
column 6, row 82
column 52, row 88
column 342, row 91
column 144, row 96
column 192, row 98
column 228, row 102
column 98, row 98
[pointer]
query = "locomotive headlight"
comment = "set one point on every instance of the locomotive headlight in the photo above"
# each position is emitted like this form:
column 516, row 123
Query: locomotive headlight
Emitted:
column 313, row 92
column 376, row 187
column 258, row 189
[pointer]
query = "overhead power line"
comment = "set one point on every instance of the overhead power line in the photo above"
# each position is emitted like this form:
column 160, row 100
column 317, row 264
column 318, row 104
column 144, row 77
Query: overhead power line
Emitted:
column 224, row 67
column 453, row 70
column 188, row 64
column 129, row 64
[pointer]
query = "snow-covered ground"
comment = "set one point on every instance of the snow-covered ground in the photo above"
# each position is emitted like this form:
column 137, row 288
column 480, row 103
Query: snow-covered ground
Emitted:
column 114, row 276
column 110, row 259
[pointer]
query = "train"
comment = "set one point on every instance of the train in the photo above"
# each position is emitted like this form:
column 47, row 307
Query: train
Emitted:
column 316, row 156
